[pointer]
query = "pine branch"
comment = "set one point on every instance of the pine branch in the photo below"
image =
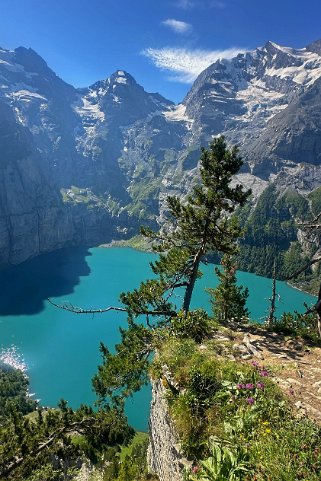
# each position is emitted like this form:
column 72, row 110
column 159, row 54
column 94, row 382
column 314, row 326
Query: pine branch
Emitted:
column 80, row 310
column 75, row 426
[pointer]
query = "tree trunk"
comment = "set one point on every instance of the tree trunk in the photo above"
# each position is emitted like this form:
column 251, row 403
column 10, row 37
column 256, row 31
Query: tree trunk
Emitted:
column 271, row 316
column 319, row 325
column 192, row 280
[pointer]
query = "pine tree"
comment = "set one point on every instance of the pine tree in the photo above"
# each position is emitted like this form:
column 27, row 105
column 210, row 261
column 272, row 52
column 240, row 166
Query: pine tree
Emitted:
column 200, row 224
column 45, row 443
column 228, row 299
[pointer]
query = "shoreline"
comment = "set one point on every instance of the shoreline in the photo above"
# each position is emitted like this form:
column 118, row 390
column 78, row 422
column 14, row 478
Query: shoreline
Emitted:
column 137, row 242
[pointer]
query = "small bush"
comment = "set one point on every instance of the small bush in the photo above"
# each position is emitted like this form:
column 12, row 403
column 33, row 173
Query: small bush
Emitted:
column 195, row 325
column 296, row 324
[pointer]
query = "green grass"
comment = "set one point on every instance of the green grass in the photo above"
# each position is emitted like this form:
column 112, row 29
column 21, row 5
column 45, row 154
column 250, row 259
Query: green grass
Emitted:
column 137, row 439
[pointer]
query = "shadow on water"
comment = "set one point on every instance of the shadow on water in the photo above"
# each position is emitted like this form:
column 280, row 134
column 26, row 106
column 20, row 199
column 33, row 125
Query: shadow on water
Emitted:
column 24, row 288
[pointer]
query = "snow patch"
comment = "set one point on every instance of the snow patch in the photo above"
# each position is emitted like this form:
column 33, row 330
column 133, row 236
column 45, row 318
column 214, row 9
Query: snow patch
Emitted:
column 305, row 68
column 300, row 75
column 7, row 61
column 177, row 113
column 121, row 77
column 121, row 80
column 88, row 110
column 27, row 95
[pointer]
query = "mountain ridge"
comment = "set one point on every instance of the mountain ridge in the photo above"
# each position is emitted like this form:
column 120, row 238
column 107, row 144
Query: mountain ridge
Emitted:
column 102, row 159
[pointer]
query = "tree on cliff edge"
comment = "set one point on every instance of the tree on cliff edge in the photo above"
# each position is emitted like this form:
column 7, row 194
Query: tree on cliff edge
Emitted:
column 228, row 299
column 200, row 224
column 197, row 225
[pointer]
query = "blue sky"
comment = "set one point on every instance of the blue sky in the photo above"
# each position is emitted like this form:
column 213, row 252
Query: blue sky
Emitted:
column 164, row 44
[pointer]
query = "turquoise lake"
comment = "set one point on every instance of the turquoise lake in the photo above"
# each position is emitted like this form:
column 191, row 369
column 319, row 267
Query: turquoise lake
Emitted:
column 61, row 349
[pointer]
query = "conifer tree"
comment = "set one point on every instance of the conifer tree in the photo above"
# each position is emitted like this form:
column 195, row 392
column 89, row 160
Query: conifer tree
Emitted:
column 200, row 224
column 197, row 225
column 228, row 299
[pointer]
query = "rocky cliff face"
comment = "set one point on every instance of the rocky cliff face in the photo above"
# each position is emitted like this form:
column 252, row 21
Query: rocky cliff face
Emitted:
column 89, row 165
column 164, row 457
column 60, row 180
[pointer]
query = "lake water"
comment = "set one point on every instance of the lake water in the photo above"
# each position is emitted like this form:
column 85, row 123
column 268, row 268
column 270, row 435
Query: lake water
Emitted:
column 61, row 349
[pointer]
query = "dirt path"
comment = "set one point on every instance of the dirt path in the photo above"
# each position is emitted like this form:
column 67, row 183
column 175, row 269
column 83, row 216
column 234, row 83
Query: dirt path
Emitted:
column 294, row 364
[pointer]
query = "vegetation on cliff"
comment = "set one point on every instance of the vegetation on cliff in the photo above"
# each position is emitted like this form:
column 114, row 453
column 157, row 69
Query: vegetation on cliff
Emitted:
column 230, row 414
column 203, row 223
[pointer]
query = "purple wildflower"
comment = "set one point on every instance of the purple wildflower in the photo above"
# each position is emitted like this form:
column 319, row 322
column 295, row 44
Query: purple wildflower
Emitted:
column 249, row 385
column 292, row 392
column 250, row 401
column 260, row 385
column 240, row 386
column 255, row 363
column 264, row 373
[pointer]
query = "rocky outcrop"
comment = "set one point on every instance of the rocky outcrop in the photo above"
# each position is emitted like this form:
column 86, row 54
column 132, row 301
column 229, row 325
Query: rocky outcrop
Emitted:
column 164, row 456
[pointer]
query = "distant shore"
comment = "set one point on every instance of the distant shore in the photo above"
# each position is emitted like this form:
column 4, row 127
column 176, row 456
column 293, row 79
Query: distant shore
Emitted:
column 137, row 242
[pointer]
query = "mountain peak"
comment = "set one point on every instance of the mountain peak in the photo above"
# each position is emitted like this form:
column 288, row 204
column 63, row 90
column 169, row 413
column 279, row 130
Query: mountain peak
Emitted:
column 30, row 60
column 315, row 47
column 273, row 47
column 122, row 77
column 270, row 44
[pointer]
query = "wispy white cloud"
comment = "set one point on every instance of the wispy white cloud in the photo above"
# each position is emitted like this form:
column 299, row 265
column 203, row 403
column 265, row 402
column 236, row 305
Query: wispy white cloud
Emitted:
column 185, row 65
column 178, row 26
column 202, row 4
column 185, row 4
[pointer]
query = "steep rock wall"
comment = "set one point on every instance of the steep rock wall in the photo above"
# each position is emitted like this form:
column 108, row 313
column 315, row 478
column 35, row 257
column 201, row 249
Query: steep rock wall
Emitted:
column 164, row 456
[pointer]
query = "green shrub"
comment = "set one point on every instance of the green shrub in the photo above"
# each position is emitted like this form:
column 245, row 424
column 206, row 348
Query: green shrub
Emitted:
column 14, row 386
column 244, row 414
column 296, row 324
column 194, row 324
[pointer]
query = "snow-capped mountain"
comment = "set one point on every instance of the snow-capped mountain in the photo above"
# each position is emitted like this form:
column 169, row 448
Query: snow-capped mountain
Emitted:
column 243, row 96
column 88, row 165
